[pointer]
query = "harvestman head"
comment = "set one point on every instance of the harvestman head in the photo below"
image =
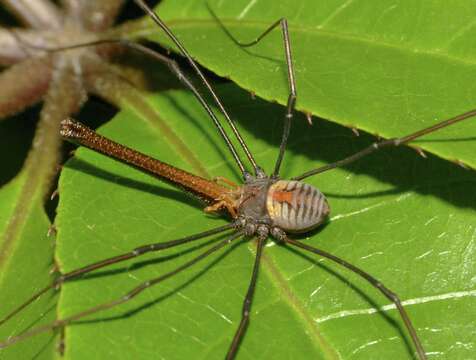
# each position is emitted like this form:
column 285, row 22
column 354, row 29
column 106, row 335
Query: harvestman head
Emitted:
column 264, row 206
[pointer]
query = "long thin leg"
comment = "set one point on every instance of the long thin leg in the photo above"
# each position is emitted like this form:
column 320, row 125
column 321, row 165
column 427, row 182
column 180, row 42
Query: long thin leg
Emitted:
column 375, row 283
column 245, row 314
column 174, row 68
column 387, row 143
column 141, row 250
column 292, row 86
column 123, row 299
column 197, row 70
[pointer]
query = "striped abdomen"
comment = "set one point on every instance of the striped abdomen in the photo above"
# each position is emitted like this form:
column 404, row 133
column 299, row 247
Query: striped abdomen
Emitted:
column 295, row 206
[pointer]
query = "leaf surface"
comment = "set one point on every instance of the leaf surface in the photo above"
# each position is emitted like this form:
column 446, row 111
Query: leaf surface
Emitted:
column 407, row 220
column 26, row 251
column 25, row 263
column 385, row 67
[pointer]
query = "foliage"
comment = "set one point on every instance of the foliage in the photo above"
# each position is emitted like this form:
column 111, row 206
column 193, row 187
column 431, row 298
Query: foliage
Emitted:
column 405, row 219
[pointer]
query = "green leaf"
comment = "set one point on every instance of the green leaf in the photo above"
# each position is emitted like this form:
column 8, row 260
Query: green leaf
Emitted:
column 26, row 251
column 384, row 67
column 408, row 221
column 25, row 263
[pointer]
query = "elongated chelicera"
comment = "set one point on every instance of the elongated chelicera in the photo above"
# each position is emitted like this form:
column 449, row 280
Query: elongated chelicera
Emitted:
column 263, row 206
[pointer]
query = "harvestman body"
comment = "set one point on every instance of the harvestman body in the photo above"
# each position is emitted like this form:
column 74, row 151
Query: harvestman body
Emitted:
column 264, row 205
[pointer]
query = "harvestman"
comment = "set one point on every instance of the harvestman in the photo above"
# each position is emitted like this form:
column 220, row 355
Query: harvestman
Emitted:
column 263, row 206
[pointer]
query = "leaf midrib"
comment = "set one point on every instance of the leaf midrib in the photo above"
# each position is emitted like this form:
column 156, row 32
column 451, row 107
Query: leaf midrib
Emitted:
column 145, row 28
column 282, row 286
column 272, row 272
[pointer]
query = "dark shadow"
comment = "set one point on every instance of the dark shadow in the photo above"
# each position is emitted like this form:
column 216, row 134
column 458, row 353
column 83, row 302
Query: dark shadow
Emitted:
column 16, row 135
column 7, row 19
column 178, row 195
column 371, row 194
column 402, row 165
column 402, row 168
column 313, row 232
column 219, row 148
column 94, row 113
column 156, row 75
column 131, row 11
column 144, row 263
